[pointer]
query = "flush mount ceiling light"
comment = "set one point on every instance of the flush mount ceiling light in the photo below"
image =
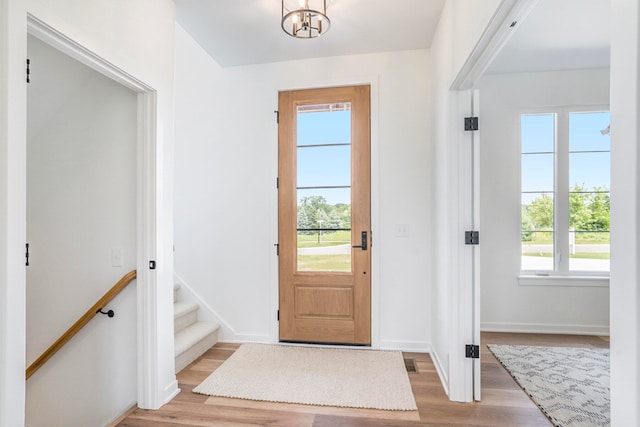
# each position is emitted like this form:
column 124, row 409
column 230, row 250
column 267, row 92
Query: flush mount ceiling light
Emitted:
column 305, row 19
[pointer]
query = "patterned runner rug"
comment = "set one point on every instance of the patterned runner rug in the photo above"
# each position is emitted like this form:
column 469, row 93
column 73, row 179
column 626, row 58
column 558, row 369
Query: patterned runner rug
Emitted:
column 570, row 385
column 314, row 376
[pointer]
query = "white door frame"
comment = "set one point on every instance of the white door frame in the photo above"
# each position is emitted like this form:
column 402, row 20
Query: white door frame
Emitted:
column 13, row 134
column 149, row 396
column 464, row 374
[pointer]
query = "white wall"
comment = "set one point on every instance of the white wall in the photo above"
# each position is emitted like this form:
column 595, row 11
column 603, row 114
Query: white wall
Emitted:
column 137, row 37
column 226, row 200
column 506, row 305
column 625, row 213
column 81, row 204
column 460, row 27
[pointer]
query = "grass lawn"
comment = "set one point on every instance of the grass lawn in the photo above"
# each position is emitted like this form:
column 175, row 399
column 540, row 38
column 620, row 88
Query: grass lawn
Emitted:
column 326, row 239
column 584, row 255
column 341, row 262
column 582, row 238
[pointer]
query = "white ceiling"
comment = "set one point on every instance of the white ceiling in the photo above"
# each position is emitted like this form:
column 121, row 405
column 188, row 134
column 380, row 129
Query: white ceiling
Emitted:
column 559, row 35
column 241, row 32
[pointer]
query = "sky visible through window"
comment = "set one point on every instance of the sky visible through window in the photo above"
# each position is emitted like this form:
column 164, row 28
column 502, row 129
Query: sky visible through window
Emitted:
column 586, row 170
column 325, row 166
column 583, row 159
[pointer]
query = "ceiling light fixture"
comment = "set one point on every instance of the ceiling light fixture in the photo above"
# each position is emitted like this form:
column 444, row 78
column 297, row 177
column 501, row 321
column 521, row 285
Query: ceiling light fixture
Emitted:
column 305, row 19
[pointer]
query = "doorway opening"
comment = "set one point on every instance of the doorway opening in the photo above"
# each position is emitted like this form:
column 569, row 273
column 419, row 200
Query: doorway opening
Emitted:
column 511, row 299
column 146, row 230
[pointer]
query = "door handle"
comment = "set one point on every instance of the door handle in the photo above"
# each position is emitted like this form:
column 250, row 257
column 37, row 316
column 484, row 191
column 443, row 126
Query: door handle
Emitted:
column 362, row 246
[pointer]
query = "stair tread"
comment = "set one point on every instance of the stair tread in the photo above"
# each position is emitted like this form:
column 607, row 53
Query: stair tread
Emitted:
column 181, row 308
column 192, row 334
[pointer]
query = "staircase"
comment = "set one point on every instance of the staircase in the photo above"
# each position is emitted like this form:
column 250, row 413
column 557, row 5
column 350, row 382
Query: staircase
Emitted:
column 192, row 338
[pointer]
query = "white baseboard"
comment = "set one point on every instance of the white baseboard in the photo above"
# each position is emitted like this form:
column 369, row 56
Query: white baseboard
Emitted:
column 171, row 391
column 248, row 338
column 123, row 414
column 206, row 312
column 409, row 346
column 545, row 328
column 442, row 373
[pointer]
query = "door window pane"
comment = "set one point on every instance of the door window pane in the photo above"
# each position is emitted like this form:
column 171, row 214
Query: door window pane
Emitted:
column 324, row 187
column 325, row 165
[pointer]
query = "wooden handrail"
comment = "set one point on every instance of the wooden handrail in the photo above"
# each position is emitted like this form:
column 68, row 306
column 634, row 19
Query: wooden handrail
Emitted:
column 111, row 294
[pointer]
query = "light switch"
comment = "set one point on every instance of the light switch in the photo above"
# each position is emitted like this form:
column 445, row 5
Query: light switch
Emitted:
column 401, row 230
column 116, row 257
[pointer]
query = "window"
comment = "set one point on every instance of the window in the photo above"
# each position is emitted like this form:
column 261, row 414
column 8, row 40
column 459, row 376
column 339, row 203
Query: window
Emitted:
column 565, row 170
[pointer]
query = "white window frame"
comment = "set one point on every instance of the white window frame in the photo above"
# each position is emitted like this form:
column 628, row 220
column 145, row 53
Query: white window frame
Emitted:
column 561, row 274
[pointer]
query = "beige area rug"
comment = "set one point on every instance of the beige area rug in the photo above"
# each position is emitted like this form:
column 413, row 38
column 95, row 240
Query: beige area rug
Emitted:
column 314, row 376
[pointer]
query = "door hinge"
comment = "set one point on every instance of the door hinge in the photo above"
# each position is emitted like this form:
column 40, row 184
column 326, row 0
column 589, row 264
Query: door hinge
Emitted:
column 471, row 237
column 28, row 70
column 27, row 254
column 470, row 123
column 277, row 245
column 278, row 315
column 277, row 183
column 277, row 115
column 472, row 351
column 152, row 265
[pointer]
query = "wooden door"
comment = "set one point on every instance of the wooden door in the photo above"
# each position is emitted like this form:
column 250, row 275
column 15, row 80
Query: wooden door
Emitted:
column 324, row 219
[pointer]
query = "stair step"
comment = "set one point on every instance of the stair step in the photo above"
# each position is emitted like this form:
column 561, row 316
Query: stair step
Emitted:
column 184, row 314
column 176, row 288
column 193, row 341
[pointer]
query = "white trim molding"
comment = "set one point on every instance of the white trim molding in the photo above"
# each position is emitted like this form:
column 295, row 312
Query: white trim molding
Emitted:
column 155, row 351
column 13, row 54
column 441, row 371
column 408, row 346
column 573, row 281
column 227, row 333
column 545, row 328
column 502, row 26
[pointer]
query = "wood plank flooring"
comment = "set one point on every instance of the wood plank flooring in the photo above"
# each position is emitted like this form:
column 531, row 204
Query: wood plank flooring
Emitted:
column 503, row 402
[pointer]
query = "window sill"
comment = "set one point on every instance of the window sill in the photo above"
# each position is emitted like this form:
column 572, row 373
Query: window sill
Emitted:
column 577, row 281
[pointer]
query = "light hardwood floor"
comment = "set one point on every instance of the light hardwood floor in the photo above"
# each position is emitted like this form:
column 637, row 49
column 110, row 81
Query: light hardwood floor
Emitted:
column 503, row 402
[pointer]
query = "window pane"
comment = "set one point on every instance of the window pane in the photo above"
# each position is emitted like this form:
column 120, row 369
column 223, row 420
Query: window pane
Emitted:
column 537, row 231
column 589, row 251
column 330, row 196
column 537, row 172
column 327, row 165
column 589, row 211
column 589, row 171
column 324, row 213
column 537, row 212
column 538, row 133
column 324, row 124
column 537, row 251
column 589, row 176
column 585, row 131
column 324, row 231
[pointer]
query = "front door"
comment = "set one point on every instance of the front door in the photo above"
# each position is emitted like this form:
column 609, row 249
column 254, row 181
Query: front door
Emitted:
column 324, row 219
